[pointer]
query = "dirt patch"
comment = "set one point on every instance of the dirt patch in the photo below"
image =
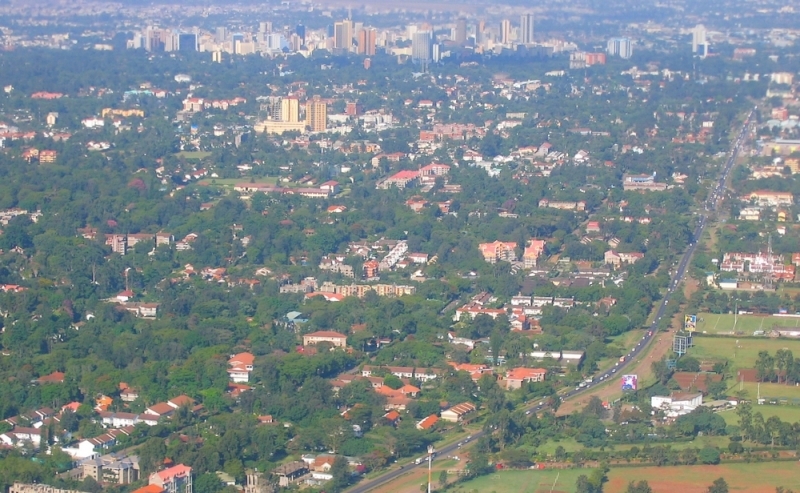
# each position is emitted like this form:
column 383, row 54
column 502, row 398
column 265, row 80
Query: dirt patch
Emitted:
column 752, row 478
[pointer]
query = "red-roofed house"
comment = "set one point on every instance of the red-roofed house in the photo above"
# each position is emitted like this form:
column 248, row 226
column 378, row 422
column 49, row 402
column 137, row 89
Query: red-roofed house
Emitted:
column 176, row 479
column 401, row 179
column 427, row 423
column 518, row 376
column 55, row 377
column 240, row 367
column 498, row 250
column 533, row 251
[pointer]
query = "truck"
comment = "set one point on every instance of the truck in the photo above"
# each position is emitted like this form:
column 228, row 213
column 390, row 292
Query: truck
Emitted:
column 419, row 460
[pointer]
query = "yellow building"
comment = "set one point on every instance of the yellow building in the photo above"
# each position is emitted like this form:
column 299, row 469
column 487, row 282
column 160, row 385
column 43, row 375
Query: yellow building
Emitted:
column 290, row 110
column 317, row 114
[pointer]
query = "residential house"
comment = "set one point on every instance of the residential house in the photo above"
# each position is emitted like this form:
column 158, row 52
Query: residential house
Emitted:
column 240, row 367
column 615, row 258
column 498, row 250
column 423, row 375
column 401, row 179
column 176, row 479
column 335, row 338
column 427, row 423
column 457, row 413
column 516, row 377
column 533, row 251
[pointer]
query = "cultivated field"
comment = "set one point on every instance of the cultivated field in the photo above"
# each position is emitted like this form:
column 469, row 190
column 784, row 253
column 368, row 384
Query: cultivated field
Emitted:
column 545, row 481
column 744, row 325
column 750, row 478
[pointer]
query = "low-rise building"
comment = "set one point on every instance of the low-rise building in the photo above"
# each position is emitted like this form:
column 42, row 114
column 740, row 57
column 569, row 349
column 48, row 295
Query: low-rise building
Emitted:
column 457, row 413
column 335, row 338
column 516, row 377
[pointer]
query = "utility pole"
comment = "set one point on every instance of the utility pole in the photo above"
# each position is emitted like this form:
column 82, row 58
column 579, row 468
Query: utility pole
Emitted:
column 430, row 461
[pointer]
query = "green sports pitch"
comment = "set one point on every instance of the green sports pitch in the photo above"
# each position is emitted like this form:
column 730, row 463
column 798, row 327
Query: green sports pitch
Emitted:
column 742, row 325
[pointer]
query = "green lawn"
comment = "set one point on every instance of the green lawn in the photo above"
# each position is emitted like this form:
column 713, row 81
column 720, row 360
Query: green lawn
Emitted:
column 742, row 353
column 743, row 325
column 193, row 154
column 789, row 414
column 532, row 481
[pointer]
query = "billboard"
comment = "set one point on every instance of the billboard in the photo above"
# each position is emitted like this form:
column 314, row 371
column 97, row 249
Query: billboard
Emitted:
column 690, row 322
column 630, row 382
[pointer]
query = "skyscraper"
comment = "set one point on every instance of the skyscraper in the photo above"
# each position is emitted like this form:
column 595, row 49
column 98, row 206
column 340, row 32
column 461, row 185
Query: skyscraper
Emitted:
column 620, row 47
column 367, row 40
column 422, row 47
column 187, row 42
column 699, row 41
column 505, row 32
column 300, row 30
column 316, row 114
column 526, row 29
column 222, row 35
column 461, row 31
column 343, row 35
column 290, row 110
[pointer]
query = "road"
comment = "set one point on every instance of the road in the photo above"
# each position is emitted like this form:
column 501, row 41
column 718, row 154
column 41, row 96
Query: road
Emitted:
column 710, row 206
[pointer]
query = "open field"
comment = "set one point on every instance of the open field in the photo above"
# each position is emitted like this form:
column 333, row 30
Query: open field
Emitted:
column 750, row 478
column 790, row 414
column 742, row 353
column 744, row 325
column 534, row 481
column 192, row 154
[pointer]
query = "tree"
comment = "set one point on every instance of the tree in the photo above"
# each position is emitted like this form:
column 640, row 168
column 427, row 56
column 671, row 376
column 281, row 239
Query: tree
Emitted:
column 443, row 478
column 151, row 455
column 708, row 455
column 340, row 473
column 718, row 486
column 640, row 487
column 207, row 483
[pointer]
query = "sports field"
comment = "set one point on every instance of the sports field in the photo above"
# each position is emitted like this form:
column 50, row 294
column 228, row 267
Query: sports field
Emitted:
column 743, row 325
column 790, row 414
column 741, row 353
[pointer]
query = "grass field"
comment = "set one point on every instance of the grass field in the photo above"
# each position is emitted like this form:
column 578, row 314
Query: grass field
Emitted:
column 750, row 478
column 742, row 353
column 790, row 414
column 524, row 482
column 193, row 154
column 743, row 325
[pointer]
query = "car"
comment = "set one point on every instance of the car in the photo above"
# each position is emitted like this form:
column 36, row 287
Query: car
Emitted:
column 614, row 370
column 468, row 438
column 541, row 403
column 527, row 412
column 459, row 444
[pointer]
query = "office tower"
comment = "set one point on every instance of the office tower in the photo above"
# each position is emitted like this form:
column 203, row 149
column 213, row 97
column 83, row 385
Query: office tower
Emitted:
column 276, row 42
column 480, row 29
column 290, row 110
column 187, row 42
column 367, row 40
column 526, row 29
column 505, row 32
column 222, row 35
column 237, row 38
column 699, row 41
column 620, row 47
column 265, row 27
column 316, row 114
column 274, row 108
column 343, row 35
column 300, row 30
column 216, row 57
column 171, row 42
column 461, row 31
column 422, row 46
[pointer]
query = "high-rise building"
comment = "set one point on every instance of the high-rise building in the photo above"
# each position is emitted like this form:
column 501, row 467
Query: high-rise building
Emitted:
column 505, row 31
column 343, row 35
column 222, row 35
column 216, row 57
column 526, row 29
column 367, row 40
column 461, row 31
column 300, row 30
column 274, row 108
column 422, row 47
column 187, row 42
column 699, row 41
column 620, row 47
column 480, row 29
column 316, row 114
column 290, row 110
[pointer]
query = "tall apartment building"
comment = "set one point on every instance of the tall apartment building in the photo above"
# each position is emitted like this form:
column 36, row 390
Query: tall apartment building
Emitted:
column 290, row 110
column 526, row 29
column 505, row 31
column 699, row 41
column 367, row 40
column 317, row 114
column 176, row 479
column 620, row 47
column 461, row 31
column 422, row 46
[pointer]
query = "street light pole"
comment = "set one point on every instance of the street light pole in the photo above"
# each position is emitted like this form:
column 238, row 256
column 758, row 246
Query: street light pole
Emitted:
column 430, row 461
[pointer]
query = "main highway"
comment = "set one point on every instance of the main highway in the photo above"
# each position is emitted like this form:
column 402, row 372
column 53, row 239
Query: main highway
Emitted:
column 710, row 206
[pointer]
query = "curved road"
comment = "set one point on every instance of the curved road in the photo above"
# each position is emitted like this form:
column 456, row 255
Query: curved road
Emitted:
column 710, row 206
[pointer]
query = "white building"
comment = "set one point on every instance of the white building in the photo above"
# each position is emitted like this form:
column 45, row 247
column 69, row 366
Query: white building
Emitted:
column 677, row 404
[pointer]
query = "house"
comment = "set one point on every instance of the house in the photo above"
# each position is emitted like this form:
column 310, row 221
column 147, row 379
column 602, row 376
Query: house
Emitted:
column 533, row 251
column 55, row 377
column 176, row 479
column 770, row 199
column 498, row 250
column 150, row 488
column 516, row 377
column 335, row 338
column 111, row 468
column 21, row 437
column 593, row 227
column 423, row 375
column 434, row 169
column 287, row 474
column 427, row 423
column 612, row 257
column 457, row 413
column 677, row 404
column 401, row 179
column 240, row 367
